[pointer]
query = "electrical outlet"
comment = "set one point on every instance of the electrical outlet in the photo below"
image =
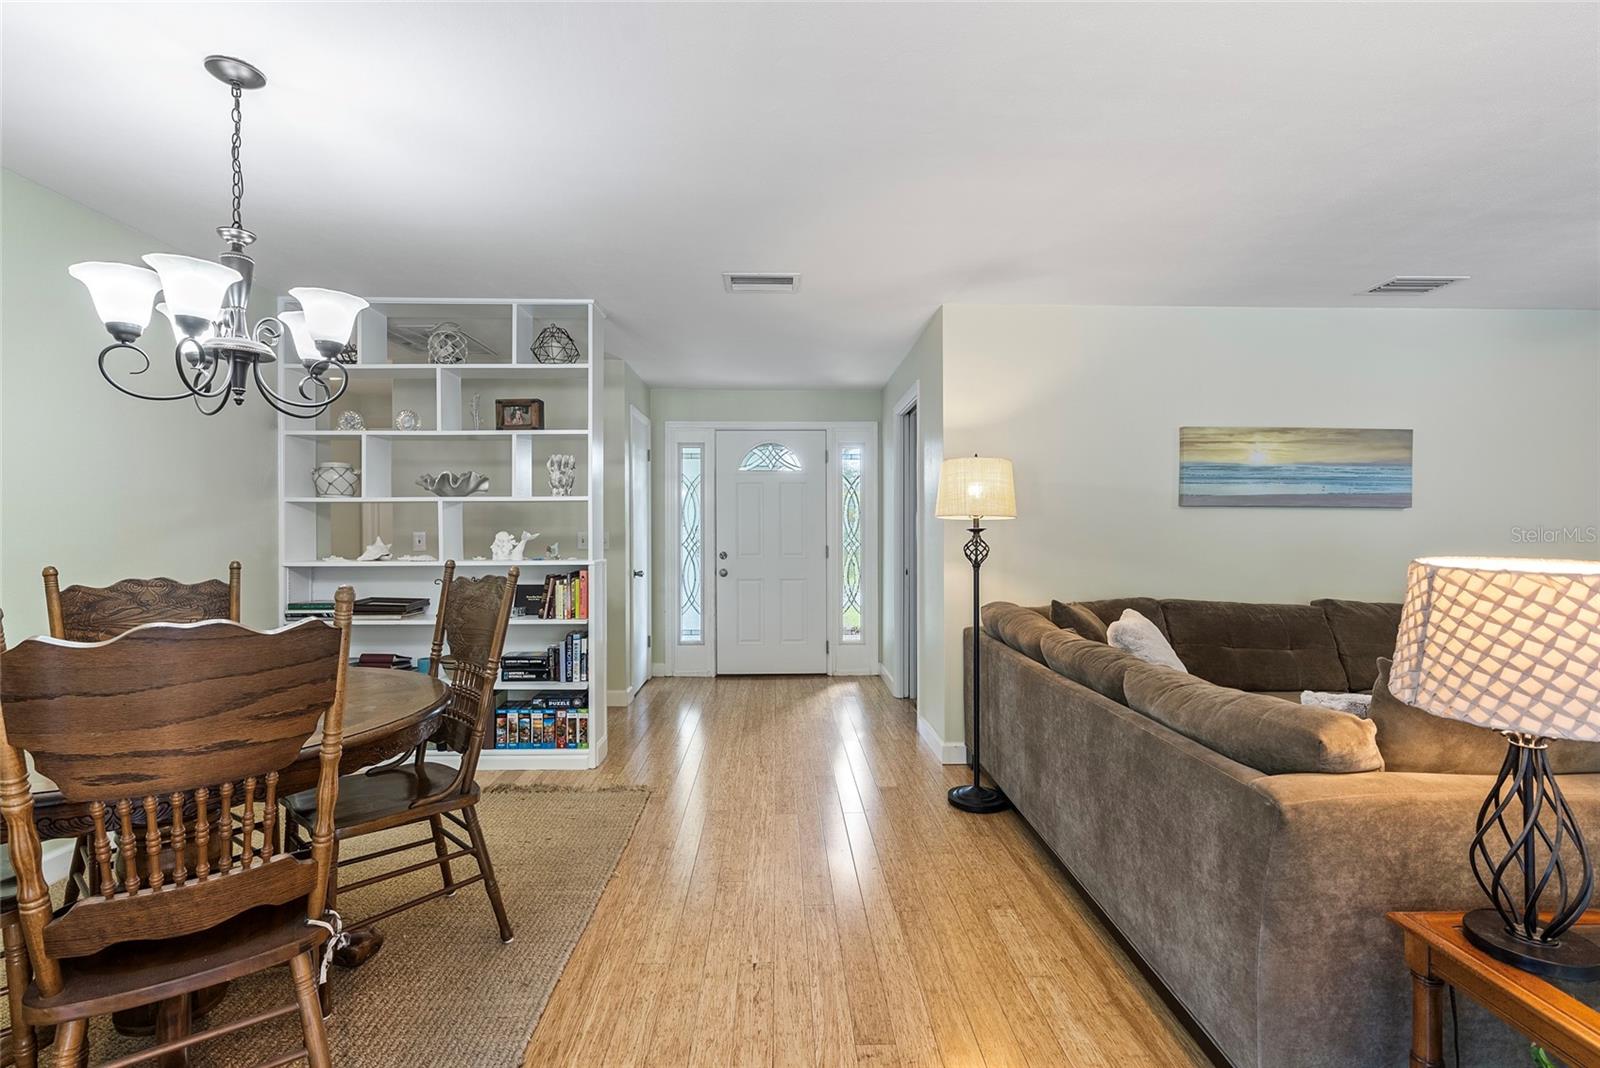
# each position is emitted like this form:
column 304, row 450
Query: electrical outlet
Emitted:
column 419, row 541
column 583, row 545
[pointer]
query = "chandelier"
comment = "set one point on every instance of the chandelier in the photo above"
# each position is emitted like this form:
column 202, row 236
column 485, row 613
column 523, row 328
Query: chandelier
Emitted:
column 217, row 353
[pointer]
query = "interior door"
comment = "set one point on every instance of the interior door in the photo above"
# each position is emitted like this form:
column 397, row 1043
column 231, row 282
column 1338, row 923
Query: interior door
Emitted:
column 771, row 545
column 638, row 549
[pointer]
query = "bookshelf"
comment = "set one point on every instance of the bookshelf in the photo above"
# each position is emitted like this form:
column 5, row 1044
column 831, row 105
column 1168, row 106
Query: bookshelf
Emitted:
column 392, row 373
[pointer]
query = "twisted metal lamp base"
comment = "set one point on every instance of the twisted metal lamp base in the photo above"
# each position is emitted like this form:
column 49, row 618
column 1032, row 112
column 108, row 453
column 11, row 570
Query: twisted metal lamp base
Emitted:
column 1536, row 898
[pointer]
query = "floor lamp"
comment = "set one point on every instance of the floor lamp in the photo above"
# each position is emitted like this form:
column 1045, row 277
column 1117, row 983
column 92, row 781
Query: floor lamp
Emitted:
column 976, row 488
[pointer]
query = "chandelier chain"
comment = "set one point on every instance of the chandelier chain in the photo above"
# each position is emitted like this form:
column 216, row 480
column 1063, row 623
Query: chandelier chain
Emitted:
column 238, row 169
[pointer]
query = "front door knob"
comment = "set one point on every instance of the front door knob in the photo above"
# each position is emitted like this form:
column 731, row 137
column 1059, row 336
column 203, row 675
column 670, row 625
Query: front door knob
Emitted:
column 723, row 572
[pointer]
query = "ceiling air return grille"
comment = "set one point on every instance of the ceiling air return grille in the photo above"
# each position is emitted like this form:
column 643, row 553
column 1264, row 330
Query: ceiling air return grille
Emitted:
column 760, row 281
column 1417, row 283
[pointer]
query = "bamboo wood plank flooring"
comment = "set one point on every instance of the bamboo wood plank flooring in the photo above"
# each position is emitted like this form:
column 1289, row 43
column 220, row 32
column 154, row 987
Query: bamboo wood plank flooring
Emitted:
column 798, row 892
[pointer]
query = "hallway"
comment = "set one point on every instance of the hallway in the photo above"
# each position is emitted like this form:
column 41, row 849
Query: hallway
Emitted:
column 798, row 892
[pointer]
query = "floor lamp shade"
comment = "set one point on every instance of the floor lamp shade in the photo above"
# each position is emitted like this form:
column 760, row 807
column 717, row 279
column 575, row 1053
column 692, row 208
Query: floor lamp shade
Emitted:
column 976, row 487
column 1514, row 645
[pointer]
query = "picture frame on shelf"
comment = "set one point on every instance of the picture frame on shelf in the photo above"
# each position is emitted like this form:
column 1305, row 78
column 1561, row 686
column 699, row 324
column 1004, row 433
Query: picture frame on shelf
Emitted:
column 519, row 413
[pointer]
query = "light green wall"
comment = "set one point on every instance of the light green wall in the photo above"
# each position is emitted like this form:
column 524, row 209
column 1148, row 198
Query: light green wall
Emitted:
column 95, row 482
column 719, row 405
column 1087, row 402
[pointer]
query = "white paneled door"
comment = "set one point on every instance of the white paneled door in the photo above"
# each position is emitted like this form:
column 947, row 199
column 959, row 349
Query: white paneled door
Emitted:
column 770, row 560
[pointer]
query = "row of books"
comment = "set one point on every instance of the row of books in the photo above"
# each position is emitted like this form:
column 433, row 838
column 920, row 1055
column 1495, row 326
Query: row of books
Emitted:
column 369, row 608
column 566, row 662
column 558, row 597
column 547, row 721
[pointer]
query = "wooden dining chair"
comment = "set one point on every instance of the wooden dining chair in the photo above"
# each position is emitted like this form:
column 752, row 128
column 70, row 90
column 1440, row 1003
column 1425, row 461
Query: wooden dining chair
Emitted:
column 472, row 620
column 96, row 613
column 192, row 725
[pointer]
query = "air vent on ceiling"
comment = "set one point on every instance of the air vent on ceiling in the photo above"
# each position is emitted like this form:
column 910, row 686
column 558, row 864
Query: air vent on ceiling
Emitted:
column 1417, row 283
column 760, row 282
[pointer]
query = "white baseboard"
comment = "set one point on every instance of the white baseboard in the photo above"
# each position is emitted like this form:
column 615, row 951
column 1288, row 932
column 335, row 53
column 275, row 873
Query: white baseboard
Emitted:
column 659, row 671
column 945, row 752
column 888, row 680
column 619, row 698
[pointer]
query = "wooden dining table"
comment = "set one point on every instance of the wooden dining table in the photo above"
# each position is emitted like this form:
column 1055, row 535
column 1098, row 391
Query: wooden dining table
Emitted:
column 386, row 713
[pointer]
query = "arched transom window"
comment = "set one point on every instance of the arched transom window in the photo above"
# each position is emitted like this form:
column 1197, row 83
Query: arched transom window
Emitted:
column 770, row 456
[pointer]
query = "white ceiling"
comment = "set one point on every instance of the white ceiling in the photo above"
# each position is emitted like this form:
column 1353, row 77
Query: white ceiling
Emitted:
column 899, row 156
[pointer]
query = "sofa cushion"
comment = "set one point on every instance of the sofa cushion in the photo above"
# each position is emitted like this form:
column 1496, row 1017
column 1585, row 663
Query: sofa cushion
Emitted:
column 1135, row 634
column 1077, row 617
column 1260, row 731
column 1096, row 665
column 992, row 613
column 1413, row 740
column 1364, row 631
column 1256, row 646
column 1021, row 628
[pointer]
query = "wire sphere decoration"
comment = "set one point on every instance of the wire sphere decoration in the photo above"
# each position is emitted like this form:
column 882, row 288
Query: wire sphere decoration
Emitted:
column 555, row 345
column 447, row 344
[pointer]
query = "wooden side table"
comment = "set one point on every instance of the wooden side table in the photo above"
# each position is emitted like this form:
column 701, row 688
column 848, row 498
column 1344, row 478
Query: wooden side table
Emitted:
column 1438, row 953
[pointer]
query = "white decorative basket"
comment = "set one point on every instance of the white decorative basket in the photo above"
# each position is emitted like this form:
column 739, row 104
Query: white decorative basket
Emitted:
column 335, row 479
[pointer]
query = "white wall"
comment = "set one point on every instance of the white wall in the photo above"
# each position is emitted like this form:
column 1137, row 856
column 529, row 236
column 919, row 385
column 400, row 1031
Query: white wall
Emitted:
column 1087, row 401
column 99, row 484
column 923, row 368
column 717, row 405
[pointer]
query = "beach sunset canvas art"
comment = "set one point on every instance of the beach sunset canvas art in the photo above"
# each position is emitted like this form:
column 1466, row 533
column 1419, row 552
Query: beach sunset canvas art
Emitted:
column 1293, row 467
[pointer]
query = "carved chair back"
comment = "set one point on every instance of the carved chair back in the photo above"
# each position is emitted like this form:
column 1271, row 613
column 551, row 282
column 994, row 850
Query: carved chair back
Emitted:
column 95, row 613
column 191, row 725
column 472, row 620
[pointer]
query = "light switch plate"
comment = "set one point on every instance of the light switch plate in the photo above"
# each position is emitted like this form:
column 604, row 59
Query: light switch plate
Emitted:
column 419, row 541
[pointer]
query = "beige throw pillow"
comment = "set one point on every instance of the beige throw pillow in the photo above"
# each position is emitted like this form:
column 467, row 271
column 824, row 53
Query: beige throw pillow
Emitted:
column 1135, row 634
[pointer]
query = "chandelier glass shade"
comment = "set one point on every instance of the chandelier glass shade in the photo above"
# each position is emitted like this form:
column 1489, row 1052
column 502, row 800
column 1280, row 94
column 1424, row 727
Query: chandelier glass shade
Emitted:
column 216, row 352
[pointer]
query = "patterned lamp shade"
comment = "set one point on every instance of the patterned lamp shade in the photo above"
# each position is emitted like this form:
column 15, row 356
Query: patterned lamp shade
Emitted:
column 976, row 487
column 1509, row 644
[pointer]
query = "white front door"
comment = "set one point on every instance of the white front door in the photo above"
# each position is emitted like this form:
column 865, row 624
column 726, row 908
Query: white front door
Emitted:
column 770, row 561
column 638, row 549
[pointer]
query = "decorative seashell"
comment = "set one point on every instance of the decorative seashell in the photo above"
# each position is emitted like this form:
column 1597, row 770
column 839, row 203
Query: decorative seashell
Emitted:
column 448, row 484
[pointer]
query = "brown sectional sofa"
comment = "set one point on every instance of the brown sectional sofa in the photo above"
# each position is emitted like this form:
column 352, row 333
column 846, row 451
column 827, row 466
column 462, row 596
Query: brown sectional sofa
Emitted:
column 1246, row 849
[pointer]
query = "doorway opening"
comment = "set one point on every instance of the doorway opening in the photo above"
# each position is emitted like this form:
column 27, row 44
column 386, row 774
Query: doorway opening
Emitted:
column 639, row 639
column 910, row 537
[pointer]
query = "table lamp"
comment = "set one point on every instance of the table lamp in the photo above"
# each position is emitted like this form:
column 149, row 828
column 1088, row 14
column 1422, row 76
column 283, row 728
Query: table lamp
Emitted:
column 976, row 488
column 1514, row 645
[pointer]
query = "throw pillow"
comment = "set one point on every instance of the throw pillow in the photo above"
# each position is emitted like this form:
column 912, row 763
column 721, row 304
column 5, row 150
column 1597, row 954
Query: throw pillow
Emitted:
column 1135, row 634
column 1413, row 740
column 1076, row 617
column 1356, row 704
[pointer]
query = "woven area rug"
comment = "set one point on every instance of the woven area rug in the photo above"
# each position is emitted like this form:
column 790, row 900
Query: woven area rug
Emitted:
column 444, row 990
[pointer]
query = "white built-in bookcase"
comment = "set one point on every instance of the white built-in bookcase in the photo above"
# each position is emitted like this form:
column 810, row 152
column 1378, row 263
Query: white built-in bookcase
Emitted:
column 392, row 375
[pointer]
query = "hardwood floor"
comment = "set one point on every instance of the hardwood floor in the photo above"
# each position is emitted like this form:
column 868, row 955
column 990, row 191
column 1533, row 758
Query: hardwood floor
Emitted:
column 798, row 892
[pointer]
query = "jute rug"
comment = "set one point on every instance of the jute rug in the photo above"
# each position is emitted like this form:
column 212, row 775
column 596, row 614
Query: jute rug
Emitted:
column 444, row 990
